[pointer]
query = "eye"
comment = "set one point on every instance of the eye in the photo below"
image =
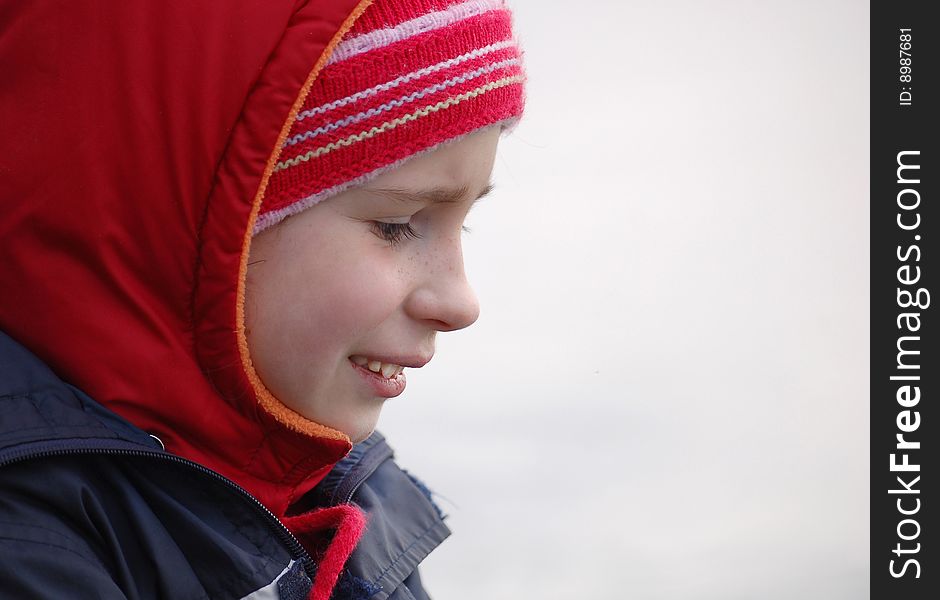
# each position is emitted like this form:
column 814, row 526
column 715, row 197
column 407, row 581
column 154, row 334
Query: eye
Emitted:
column 394, row 233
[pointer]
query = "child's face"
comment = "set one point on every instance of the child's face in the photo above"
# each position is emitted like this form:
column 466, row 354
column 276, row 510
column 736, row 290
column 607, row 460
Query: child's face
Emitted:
column 325, row 290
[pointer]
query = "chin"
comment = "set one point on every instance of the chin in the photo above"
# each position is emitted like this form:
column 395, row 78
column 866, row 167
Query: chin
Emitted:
column 358, row 427
column 360, row 434
column 357, row 422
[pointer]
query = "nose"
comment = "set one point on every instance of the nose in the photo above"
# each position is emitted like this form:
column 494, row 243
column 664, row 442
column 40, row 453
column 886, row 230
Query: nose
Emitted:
column 443, row 297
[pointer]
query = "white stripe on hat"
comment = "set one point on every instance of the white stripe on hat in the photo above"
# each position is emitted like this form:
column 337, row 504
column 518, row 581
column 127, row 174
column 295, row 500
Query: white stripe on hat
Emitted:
column 382, row 87
column 401, row 101
column 380, row 38
column 394, row 123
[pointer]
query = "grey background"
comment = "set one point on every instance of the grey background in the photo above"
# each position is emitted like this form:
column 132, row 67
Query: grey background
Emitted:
column 666, row 395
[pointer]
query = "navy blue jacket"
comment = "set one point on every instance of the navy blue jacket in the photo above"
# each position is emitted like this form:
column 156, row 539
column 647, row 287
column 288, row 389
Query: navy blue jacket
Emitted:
column 93, row 507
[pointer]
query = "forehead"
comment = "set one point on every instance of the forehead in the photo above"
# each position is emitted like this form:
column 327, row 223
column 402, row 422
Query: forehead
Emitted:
column 449, row 195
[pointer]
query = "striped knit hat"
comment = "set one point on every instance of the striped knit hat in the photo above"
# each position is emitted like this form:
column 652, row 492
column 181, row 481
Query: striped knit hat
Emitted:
column 409, row 76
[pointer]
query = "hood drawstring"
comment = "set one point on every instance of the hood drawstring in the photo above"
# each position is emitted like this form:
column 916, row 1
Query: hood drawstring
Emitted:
column 348, row 521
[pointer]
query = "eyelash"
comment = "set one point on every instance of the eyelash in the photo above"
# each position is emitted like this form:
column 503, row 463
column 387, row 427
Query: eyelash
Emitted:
column 394, row 233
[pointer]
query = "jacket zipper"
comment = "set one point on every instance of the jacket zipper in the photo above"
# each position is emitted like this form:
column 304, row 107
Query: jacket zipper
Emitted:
column 355, row 489
column 297, row 551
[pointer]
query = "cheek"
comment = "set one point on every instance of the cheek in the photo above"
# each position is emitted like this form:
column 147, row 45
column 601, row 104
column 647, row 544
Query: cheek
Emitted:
column 359, row 299
column 340, row 298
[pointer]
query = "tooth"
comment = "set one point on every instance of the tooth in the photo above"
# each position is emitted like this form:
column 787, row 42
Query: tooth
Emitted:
column 399, row 370
column 375, row 366
column 360, row 360
column 388, row 370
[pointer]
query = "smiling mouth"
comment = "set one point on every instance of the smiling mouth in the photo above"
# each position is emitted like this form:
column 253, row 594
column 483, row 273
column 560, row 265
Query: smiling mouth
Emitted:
column 388, row 370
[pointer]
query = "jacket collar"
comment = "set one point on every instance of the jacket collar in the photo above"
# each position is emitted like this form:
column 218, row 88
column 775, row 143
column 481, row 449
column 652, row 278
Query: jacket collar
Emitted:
column 404, row 525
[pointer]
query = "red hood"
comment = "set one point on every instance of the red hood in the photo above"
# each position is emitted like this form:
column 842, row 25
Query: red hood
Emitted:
column 137, row 139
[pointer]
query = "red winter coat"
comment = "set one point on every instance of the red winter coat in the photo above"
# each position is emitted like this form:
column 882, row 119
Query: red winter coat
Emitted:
column 137, row 140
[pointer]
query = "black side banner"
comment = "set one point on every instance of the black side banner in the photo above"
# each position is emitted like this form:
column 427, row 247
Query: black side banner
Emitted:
column 905, row 372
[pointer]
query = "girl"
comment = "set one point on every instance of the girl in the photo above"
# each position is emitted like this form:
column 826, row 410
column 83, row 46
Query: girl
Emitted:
column 228, row 229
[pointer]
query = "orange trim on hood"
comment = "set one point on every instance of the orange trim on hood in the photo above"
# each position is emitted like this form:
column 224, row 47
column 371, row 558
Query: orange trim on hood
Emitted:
column 285, row 415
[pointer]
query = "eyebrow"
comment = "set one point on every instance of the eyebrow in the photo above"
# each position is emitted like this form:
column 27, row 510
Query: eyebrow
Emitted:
column 432, row 196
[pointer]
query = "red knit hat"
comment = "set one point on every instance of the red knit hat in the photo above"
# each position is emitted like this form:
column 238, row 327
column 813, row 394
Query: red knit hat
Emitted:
column 409, row 76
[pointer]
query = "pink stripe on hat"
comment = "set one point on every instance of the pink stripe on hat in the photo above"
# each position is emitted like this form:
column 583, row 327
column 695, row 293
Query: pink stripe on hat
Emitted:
column 409, row 76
